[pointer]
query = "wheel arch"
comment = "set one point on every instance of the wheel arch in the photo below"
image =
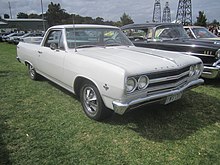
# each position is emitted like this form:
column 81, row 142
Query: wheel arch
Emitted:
column 79, row 81
column 27, row 63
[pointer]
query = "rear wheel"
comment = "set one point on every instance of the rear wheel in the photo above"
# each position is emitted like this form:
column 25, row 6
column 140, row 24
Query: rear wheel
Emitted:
column 92, row 102
column 32, row 73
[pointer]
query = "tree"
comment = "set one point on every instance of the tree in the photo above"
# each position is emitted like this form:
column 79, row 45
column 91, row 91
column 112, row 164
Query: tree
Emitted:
column 6, row 16
column 99, row 20
column 215, row 23
column 55, row 15
column 32, row 15
column 126, row 19
column 201, row 19
column 22, row 15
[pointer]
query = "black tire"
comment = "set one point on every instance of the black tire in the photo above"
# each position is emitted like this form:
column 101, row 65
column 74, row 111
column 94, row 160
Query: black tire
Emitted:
column 92, row 102
column 32, row 73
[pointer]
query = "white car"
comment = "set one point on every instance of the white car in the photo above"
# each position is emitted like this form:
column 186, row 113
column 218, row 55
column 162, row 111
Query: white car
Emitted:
column 100, row 65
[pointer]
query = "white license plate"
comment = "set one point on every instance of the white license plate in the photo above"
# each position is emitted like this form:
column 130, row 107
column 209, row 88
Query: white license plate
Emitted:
column 172, row 98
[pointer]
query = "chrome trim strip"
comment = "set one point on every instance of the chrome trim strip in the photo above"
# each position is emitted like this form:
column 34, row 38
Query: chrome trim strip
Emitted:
column 198, row 54
column 217, row 64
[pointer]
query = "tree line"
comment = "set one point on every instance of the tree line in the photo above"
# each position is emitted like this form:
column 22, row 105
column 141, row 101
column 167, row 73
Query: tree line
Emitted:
column 55, row 15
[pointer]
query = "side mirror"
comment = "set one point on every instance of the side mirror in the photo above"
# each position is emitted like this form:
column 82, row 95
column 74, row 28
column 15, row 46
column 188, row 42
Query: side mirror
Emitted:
column 53, row 46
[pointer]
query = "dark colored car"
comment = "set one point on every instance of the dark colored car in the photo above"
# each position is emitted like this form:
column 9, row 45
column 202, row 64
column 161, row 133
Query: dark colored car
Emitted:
column 198, row 32
column 172, row 37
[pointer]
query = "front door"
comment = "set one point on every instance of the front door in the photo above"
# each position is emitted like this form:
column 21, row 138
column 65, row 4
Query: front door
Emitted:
column 51, row 55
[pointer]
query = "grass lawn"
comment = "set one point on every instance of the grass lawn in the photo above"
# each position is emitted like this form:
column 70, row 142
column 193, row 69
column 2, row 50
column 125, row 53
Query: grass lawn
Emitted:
column 41, row 123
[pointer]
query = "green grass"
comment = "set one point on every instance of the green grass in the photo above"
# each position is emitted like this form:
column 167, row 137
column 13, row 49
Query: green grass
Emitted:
column 41, row 123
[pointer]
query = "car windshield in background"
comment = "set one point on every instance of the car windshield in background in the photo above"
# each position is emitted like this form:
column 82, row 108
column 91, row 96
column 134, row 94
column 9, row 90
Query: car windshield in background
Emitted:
column 203, row 33
column 92, row 37
column 170, row 32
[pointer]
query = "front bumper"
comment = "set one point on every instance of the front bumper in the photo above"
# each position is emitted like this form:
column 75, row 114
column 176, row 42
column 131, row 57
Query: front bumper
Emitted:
column 122, row 107
column 212, row 72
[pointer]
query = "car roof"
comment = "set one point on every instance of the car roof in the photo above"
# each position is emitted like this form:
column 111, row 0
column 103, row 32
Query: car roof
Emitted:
column 147, row 25
column 83, row 26
column 193, row 27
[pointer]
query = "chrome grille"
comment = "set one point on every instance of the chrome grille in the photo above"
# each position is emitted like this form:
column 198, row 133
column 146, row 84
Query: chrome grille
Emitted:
column 168, row 80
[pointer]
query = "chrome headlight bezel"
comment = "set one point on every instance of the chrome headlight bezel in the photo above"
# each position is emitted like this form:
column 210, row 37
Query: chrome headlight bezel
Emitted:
column 217, row 54
column 195, row 70
column 136, row 83
column 191, row 71
column 198, row 69
column 143, row 82
column 133, row 86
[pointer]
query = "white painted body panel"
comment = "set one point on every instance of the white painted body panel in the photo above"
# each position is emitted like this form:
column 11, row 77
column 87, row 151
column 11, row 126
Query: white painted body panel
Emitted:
column 102, row 65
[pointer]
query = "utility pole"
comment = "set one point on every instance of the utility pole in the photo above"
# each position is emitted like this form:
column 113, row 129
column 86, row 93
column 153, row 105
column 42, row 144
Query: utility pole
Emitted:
column 9, row 5
column 157, row 11
column 43, row 15
column 184, row 12
column 166, row 13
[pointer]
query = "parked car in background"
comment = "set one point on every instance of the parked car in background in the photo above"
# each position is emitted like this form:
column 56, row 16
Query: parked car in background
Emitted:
column 33, row 40
column 5, row 36
column 17, row 39
column 2, row 35
column 199, row 32
column 173, row 37
column 106, row 71
column 10, row 39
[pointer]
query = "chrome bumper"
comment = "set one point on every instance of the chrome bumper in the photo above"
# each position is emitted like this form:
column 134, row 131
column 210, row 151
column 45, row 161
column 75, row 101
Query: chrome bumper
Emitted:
column 211, row 72
column 121, row 108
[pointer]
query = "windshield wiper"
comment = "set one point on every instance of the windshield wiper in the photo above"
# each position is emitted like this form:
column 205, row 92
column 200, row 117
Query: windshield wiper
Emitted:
column 116, row 44
column 86, row 46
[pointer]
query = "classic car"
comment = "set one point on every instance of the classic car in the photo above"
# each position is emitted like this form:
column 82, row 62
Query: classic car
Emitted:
column 172, row 37
column 10, row 39
column 199, row 32
column 17, row 39
column 101, row 66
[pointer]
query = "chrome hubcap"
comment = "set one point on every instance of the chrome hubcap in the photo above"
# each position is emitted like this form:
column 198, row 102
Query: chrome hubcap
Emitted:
column 90, row 100
column 31, row 70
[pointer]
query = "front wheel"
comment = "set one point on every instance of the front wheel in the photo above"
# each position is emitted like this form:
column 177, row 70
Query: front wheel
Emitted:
column 32, row 73
column 92, row 102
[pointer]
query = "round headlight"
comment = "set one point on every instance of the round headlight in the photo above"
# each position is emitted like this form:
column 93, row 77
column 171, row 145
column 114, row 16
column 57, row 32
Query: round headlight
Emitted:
column 191, row 71
column 197, row 69
column 218, row 54
column 143, row 82
column 131, row 85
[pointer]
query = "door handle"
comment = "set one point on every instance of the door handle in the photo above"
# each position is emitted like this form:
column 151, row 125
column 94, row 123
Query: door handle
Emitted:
column 39, row 52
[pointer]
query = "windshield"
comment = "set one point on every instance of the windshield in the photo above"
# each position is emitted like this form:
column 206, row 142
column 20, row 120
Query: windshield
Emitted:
column 170, row 32
column 203, row 33
column 90, row 37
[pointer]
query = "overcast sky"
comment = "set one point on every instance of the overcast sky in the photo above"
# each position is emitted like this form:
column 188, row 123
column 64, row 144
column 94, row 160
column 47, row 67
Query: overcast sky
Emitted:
column 139, row 10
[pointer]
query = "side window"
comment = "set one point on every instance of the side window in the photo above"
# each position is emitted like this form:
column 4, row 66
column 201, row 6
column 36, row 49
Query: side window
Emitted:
column 189, row 33
column 55, row 40
column 135, row 34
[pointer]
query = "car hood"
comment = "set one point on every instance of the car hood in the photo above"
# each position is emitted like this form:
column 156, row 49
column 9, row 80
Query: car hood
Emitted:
column 135, row 60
